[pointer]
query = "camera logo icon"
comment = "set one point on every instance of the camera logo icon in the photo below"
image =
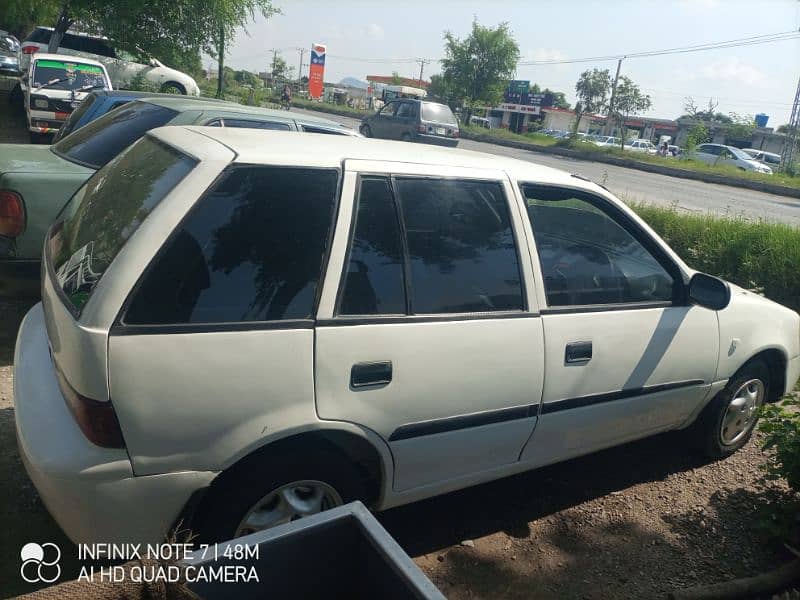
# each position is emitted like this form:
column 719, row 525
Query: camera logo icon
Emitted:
column 40, row 562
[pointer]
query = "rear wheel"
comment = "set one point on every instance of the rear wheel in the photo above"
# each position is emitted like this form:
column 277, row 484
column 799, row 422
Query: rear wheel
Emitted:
column 276, row 488
column 727, row 423
column 365, row 131
column 406, row 137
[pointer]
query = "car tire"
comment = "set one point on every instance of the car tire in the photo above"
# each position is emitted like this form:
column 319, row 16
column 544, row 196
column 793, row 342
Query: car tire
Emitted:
column 173, row 87
column 236, row 493
column 365, row 131
column 727, row 422
column 406, row 137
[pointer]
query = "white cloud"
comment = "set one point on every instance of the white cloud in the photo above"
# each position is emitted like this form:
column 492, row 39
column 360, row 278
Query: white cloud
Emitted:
column 375, row 32
column 733, row 70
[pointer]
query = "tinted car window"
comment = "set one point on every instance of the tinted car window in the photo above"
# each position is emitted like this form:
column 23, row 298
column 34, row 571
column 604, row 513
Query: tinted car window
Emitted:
column 710, row 149
column 462, row 256
column 312, row 129
column 587, row 257
column 101, row 140
column 388, row 110
column 438, row 113
column 373, row 281
column 107, row 210
column 250, row 250
column 76, row 115
column 405, row 111
column 39, row 36
column 248, row 124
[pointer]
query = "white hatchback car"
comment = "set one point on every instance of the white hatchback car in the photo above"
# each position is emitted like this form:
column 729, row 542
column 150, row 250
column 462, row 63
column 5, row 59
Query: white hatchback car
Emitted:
column 640, row 146
column 240, row 328
column 719, row 154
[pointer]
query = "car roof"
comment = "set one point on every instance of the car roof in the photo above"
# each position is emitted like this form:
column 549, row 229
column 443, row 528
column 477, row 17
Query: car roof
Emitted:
column 257, row 146
column 184, row 103
column 66, row 58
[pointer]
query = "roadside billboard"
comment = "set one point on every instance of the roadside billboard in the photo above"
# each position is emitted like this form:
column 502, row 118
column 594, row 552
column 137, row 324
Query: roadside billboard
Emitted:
column 316, row 70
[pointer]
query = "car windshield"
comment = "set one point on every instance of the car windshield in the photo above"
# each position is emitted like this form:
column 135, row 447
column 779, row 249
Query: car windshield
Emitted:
column 107, row 210
column 76, row 116
column 739, row 154
column 101, row 140
column 438, row 113
column 67, row 75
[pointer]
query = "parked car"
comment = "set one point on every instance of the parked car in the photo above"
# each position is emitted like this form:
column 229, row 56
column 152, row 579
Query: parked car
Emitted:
column 122, row 66
column 640, row 146
column 606, row 140
column 55, row 85
column 480, row 122
column 413, row 120
column 37, row 181
column 719, row 154
column 98, row 103
column 9, row 54
column 768, row 158
column 239, row 329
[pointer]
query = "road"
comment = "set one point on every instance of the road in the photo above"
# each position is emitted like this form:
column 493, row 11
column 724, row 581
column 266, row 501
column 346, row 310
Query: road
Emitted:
column 640, row 186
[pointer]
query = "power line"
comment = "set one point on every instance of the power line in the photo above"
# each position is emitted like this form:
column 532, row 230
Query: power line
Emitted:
column 749, row 41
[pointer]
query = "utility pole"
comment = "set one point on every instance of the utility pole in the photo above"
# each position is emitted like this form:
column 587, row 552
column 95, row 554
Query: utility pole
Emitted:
column 422, row 62
column 274, row 58
column 302, row 52
column 787, row 156
column 611, row 101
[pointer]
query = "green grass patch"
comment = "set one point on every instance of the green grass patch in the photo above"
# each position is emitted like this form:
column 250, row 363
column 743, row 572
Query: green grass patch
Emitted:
column 753, row 254
column 505, row 134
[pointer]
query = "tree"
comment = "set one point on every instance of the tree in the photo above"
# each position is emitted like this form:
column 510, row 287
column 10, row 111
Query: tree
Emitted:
column 279, row 67
column 559, row 98
column 177, row 28
column 592, row 91
column 741, row 127
column 479, row 66
column 396, row 79
column 442, row 90
column 709, row 115
column 628, row 102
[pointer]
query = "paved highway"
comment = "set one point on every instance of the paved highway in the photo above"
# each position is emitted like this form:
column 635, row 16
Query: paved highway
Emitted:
column 640, row 186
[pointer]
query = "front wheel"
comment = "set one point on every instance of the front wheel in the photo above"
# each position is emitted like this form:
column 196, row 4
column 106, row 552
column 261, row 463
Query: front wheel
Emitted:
column 727, row 423
column 365, row 131
column 172, row 87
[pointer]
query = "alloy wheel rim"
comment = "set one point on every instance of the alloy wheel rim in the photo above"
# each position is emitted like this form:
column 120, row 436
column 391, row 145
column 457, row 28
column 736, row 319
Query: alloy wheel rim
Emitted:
column 288, row 503
column 742, row 411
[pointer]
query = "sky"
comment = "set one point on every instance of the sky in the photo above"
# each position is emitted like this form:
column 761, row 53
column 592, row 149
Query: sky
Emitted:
column 367, row 38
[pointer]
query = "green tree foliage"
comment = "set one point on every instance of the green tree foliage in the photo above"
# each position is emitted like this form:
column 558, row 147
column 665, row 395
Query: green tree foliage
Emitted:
column 396, row 79
column 478, row 67
column 174, row 30
column 441, row 89
column 279, row 68
column 628, row 102
column 741, row 127
column 698, row 134
column 247, row 78
column 592, row 91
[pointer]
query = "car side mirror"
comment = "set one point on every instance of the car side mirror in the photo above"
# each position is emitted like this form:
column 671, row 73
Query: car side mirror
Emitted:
column 709, row 292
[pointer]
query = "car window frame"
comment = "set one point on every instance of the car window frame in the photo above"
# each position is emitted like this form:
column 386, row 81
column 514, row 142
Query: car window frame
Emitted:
column 623, row 220
column 120, row 327
column 409, row 317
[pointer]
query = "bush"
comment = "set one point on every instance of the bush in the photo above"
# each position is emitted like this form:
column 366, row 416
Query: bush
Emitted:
column 781, row 424
column 753, row 254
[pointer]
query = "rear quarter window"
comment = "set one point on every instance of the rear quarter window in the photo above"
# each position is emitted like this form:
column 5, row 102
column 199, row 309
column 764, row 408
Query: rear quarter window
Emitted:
column 101, row 140
column 107, row 211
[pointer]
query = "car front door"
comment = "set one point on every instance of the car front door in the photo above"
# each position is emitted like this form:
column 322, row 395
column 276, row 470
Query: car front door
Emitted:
column 382, row 123
column 625, row 355
column 426, row 334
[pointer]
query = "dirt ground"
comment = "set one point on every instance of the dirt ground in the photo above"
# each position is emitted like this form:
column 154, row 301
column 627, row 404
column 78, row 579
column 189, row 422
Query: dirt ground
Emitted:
column 631, row 522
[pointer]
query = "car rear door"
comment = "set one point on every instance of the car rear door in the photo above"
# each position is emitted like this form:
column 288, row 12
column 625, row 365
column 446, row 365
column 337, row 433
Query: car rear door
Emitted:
column 427, row 333
column 626, row 356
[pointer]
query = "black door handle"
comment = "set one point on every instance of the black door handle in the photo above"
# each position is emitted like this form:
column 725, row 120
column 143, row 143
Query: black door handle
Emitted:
column 578, row 352
column 371, row 373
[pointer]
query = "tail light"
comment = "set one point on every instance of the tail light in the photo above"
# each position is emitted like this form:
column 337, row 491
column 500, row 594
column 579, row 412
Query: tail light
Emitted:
column 456, row 133
column 422, row 128
column 30, row 49
column 97, row 420
column 12, row 214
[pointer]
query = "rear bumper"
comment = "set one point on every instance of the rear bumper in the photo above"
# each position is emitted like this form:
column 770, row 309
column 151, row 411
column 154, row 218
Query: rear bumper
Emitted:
column 437, row 140
column 90, row 491
column 19, row 278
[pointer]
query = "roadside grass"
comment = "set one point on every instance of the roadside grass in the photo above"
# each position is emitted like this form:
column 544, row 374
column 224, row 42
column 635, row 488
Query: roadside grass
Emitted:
column 755, row 255
column 777, row 178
